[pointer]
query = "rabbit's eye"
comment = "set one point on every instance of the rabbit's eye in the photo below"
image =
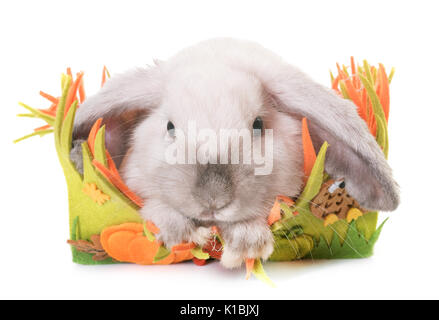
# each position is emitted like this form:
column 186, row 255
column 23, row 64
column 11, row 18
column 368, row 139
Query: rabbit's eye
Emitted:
column 171, row 129
column 258, row 124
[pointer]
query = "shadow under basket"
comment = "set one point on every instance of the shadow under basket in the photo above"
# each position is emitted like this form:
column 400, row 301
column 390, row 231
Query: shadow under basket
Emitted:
column 324, row 222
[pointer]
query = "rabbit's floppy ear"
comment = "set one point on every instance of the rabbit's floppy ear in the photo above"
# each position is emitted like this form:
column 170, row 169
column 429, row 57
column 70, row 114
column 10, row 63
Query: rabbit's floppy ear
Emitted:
column 135, row 90
column 353, row 153
column 122, row 102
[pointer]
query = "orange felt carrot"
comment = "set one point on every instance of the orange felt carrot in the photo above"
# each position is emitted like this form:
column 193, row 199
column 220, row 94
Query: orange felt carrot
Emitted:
column 364, row 105
column 48, row 112
column 126, row 243
column 152, row 227
column 92, row 135
column 118, row 242
column 126, row 232
column 182, row 256
column 69, row 72
column 341, row 73
column 335, row 84
column 47, row 126
column 111, row 165
column 275, row 212
column 53, row 107
column 104, row 76
column 285, row 199
column 49, row 97
column 183, row 247
column 141, row 250
column 308, row 150
column 249, row 264
column 353, row 94
column 81, row 90
column 71, row 96
column 372, row 121
column 118, row 183
column 353, row 69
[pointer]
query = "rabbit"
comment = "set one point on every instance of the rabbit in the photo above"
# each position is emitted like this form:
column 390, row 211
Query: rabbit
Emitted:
column 230, row 83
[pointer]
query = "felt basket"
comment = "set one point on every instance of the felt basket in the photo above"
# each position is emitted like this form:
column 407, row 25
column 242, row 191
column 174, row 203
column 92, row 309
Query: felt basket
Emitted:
column 106, row 228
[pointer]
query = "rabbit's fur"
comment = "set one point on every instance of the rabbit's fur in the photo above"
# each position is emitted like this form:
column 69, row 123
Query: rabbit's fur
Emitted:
column 221, row 84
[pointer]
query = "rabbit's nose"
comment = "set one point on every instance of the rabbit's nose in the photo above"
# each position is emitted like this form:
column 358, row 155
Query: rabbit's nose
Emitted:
column 214, row 188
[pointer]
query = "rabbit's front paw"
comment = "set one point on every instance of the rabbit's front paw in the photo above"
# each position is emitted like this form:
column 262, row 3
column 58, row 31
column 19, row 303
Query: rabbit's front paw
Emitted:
column 174, row 227
column 200, row 236
column 172, row 235
column 246, row 240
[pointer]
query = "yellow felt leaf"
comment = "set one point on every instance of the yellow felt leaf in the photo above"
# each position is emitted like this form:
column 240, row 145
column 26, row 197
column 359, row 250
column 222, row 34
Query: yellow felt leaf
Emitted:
column 260, row 274
column 97, row 195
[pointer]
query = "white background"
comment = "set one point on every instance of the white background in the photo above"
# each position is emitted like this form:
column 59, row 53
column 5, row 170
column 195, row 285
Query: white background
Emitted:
column 39, row 39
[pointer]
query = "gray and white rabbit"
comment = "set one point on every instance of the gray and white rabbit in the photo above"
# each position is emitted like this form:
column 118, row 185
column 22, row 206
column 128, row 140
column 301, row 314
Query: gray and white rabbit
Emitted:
column 227, row 83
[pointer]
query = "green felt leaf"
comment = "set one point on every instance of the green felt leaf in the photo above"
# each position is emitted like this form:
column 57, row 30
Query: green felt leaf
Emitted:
column 67, row 129
column 38, row 114
column 64, row 79
column 200, row 254
column 382, row 138
column 26, row 115
column 367, row 71
column 87, row 159
column 74, row 229
column 60, row 111
column 344, row 90
column 99, row 151
column 315, row 179
column 148, row 233
column 311, row 189
column 374, row 74
column 392, row 73
column 259, row 273
column 291, row 248
column 161, row 254
column 40, row 133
